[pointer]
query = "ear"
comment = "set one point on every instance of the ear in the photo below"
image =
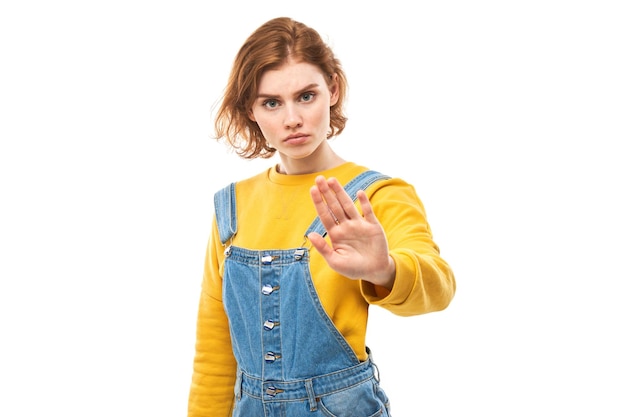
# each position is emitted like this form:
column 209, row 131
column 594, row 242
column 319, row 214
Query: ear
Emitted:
column 251, row 115
column 333, row 86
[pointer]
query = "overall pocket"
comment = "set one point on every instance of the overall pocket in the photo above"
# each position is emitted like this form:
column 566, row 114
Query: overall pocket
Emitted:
column 362, row 400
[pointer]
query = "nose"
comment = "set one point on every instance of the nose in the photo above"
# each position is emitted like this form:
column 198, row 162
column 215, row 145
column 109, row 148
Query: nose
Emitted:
column 292, row 117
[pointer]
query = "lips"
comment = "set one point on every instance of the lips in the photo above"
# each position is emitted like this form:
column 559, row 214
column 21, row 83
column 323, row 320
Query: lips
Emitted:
column 296, row 138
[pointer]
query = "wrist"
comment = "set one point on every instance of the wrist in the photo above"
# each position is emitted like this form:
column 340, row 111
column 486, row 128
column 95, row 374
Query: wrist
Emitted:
column 387, row 277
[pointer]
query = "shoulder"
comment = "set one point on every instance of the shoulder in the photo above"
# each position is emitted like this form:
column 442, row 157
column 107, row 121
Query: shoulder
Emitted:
column 378, row 185
column 393, row 189
column 249, row 182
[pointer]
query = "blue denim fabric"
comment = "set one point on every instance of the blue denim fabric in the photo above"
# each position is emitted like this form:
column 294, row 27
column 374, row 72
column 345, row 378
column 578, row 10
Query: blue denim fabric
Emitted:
column 292, row 360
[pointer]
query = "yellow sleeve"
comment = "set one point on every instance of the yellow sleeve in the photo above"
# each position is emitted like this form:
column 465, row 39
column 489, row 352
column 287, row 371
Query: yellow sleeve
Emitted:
column 424, row 281
column 214, row 367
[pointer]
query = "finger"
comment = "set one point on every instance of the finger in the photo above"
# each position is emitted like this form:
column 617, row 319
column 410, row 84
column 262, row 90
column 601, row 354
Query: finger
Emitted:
column 341, row 203
column 320, row 244
column 327, row 218
column 345, row 202
column 330, row 197
column 366, row 207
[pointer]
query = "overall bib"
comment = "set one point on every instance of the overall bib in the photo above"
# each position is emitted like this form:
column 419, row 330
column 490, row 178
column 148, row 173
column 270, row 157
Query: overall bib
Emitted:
column 292, row 361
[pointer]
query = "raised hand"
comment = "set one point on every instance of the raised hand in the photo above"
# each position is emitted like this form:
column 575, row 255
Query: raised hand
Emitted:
column 358, row 248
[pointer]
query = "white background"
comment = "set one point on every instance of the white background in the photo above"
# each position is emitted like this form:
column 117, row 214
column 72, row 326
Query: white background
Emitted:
column 508, row 117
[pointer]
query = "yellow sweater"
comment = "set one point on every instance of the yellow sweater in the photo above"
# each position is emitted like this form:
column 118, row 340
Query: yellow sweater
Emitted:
column 274, row 212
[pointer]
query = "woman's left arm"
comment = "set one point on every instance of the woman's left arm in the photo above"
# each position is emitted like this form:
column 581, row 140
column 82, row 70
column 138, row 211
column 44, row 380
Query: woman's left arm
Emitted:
column 388, row 245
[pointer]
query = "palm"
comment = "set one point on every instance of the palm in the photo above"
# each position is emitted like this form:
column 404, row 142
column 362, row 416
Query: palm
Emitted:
column 358, row 248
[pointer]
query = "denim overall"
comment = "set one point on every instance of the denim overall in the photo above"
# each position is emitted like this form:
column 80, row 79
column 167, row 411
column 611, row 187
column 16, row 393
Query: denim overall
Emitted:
column 292, row 360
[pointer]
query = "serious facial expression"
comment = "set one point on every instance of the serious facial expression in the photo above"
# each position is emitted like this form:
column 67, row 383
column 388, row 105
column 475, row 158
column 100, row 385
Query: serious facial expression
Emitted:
column 292, row 109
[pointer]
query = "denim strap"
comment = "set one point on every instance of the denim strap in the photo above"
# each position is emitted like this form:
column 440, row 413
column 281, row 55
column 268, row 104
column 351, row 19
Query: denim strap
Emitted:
column 226, row 212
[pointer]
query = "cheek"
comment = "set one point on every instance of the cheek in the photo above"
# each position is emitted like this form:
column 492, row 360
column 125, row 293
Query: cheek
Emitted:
column 265, row 124
column 267, row 127
column 322, row 118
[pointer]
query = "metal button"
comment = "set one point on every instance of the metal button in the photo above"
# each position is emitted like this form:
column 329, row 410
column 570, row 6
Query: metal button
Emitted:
column 298, row 254
column 271, row 357
column 269, row 324
column 272, row 391
column 266, row 260
column 268, row 289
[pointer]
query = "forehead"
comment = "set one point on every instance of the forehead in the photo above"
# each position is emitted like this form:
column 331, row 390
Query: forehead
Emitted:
column 291, row 77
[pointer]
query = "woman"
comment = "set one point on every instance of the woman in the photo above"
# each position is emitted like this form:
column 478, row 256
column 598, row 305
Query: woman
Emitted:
column 299, row 251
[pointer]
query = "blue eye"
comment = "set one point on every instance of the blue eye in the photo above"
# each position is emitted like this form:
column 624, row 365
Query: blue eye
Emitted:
column 270, row 103
column 308, row 96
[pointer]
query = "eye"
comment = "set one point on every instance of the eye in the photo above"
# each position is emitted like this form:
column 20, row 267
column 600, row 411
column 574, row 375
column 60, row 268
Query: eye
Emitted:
column 307, row 96
column 270, row 103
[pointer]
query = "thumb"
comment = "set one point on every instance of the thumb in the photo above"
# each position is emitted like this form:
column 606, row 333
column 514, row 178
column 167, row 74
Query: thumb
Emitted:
column 320, row 244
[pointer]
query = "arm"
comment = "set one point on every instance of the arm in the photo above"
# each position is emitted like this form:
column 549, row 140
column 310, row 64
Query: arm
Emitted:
column 424, row 282
column 214, row 367
column 389, row 247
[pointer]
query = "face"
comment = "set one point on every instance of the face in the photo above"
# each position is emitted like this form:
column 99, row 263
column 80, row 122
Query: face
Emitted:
column 292, row 109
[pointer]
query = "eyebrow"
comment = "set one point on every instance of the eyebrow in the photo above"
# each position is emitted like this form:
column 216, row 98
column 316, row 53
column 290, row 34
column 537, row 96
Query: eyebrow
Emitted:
column 311, row 86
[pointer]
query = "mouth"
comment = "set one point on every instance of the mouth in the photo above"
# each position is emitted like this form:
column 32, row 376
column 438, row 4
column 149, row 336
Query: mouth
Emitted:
column 296, row 138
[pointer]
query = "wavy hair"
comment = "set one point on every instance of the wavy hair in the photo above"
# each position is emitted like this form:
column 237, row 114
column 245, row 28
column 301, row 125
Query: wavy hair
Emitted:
column 267, row 48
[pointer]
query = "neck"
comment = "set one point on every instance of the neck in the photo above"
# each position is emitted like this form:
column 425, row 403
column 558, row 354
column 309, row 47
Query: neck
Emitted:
column 301, row 167
column 322, row 159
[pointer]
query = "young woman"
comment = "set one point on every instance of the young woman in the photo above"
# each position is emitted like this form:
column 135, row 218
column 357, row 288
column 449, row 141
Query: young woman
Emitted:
column 299, row 251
